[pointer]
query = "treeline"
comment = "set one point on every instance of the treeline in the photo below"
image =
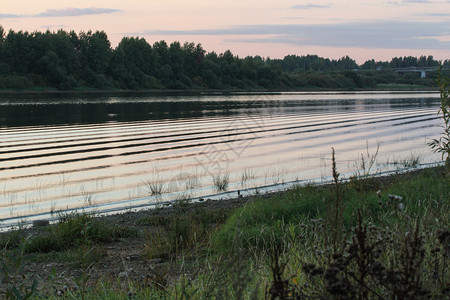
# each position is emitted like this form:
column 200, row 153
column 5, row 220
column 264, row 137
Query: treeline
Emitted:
column 67, row 61
column 404, row 62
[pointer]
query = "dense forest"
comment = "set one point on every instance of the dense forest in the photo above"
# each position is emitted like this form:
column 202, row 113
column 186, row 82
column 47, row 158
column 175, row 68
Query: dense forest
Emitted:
column 70, row 61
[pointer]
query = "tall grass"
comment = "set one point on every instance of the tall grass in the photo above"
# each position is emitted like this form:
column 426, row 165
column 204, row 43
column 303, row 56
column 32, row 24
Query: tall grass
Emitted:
column 154, row 187
column 221, row 181
column 247, row 176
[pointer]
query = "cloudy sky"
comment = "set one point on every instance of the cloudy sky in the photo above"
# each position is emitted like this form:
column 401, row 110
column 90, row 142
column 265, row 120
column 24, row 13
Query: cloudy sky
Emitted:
column 359, row 28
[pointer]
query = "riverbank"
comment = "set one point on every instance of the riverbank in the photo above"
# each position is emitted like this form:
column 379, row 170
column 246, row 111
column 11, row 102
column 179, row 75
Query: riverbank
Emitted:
column 379, row 88
column 272, row 243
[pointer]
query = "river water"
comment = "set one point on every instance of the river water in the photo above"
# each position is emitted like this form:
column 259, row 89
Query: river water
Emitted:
column 105, row 152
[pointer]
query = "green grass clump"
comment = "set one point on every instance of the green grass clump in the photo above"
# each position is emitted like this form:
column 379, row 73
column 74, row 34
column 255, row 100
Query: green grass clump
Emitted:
column 189, row 230
column 221, row 182
column 262, row 220
column 74, row 230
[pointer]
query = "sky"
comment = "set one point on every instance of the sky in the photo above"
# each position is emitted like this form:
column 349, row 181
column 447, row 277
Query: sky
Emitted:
column 360, row 29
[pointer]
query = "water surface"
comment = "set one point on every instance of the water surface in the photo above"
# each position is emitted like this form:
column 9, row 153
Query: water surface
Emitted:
column 60, row 152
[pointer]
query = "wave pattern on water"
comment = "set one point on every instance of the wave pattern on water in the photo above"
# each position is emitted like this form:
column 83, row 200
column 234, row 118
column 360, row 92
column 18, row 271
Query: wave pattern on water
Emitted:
column 123, row 163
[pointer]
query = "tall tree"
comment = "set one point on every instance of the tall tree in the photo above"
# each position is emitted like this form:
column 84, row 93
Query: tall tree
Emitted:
column 4, row 67
column 95, row 50
column 133, row 63
column 176, row 58
column 369, row 65
column 346, row 63
column 193, row 58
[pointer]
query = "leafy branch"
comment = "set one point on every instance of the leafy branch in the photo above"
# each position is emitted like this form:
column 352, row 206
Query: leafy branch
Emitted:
column 442, row 144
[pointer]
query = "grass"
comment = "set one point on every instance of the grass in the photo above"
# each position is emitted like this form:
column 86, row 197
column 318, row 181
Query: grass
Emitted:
column 12, row 239
column 221, row 182
column 272, row 247
column 305, row 203
column 191, row 182
column 274, row 176
column 409, row 162
column 380, row 239
column 76, row 239
column 187, row 231
column 155, row 187
column 247, row 176
column 74, row 230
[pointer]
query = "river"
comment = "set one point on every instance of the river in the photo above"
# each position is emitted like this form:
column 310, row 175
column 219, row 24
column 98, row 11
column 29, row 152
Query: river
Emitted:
column 100, row 152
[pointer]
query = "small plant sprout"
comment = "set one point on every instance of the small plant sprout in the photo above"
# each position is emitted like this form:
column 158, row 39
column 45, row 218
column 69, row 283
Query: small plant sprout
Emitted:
column 88, row 198
column 367, row 162
column 247, row 176
column 409, row 162
column 155, row 187
column 274, row 176
column 412, row 161
column 191, row 182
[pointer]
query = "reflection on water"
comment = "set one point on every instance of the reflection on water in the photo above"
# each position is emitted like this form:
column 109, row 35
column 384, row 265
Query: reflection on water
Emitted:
column 55, row 109
column 114, row 151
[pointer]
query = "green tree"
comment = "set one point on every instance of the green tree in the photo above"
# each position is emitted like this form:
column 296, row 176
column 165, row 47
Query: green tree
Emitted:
column 18, row 51
column 132, row 64
column 193, row 59
column 422, row 61
column 211, row 71
column 176, row 57
column 346, row 63
column 250, row 66
column 369, row 65
column 163, row 69
column 229, row 68
column 50, row 65
column 56, row 61
column 4, row 67
column 431, row 62
column 2, row 34
column 95, row 50
column 95, row 53
column 66, row 60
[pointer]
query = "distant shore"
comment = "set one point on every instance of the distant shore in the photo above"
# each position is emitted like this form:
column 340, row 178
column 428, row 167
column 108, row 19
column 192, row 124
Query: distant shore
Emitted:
column 398, row 88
